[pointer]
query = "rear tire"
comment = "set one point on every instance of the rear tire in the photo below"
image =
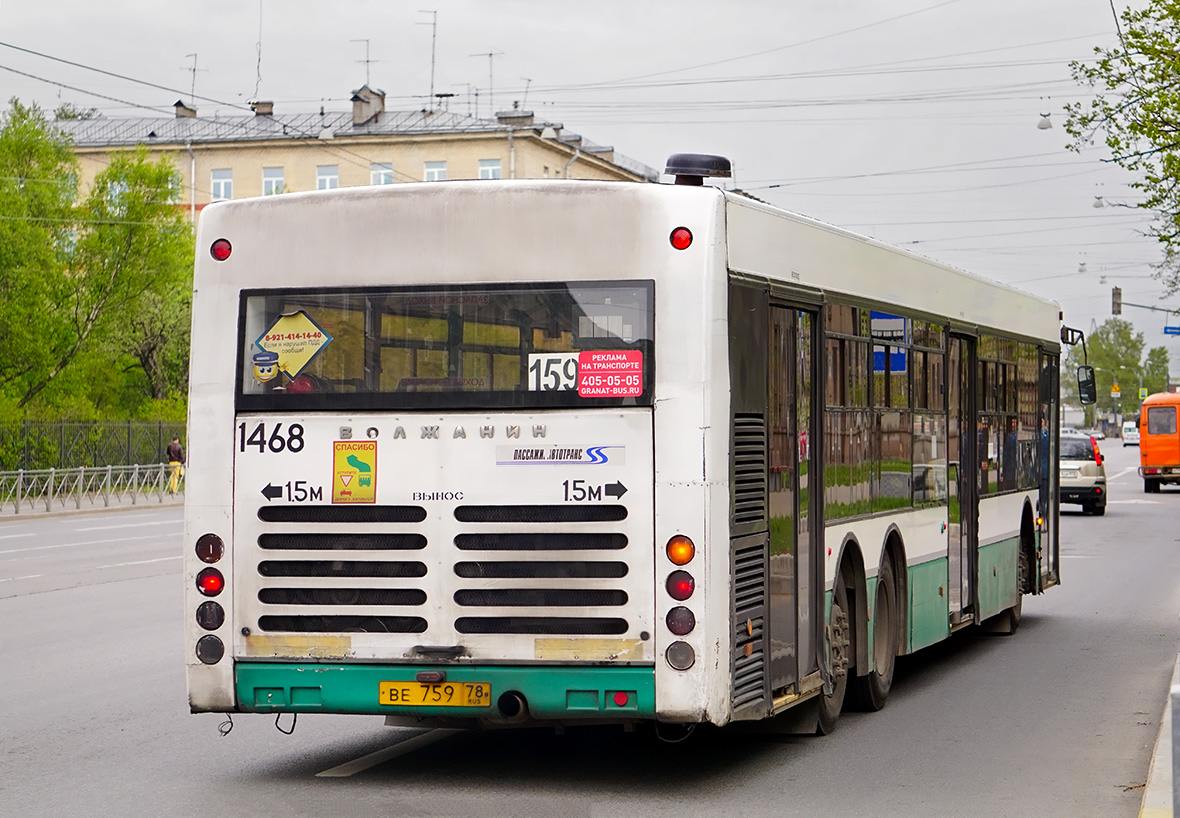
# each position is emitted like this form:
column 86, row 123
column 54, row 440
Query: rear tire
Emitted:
column 840, row 658
column 1098, row 509
column 869, row 692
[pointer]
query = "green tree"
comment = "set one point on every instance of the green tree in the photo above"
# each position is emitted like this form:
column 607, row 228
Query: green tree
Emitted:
column 38, row 174
column 1116, row 353
column 1136, row 110
column 133, row 249
column 1155, row 370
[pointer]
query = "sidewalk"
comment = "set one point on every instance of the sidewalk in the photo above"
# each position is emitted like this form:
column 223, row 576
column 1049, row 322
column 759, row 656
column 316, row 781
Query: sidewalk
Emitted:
column 1157, row 795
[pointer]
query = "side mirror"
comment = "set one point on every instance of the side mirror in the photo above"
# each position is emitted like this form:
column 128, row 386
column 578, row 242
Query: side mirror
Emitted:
column 1087, row 388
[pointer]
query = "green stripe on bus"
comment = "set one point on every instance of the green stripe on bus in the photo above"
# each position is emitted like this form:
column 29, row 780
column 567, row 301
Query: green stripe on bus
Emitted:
column 997, row 576
column 929, row 617
column 551, row 692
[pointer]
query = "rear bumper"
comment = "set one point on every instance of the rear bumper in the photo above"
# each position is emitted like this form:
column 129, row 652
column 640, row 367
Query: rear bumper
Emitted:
column 1166, row 474
column 550, row 692
column 1083, row 494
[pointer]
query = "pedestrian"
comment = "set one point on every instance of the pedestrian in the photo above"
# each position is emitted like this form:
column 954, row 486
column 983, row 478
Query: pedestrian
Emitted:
column 175, row 454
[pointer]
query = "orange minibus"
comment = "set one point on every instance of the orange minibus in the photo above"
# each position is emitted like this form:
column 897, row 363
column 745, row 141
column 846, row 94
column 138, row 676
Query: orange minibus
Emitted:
column 1159, row 441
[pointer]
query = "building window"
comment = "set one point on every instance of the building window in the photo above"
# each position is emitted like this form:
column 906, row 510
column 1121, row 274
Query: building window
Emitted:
column 223, row 185
column 327, row 177
column 435, row 172
column 272, row 181
column 489, row 168
column 381, row 173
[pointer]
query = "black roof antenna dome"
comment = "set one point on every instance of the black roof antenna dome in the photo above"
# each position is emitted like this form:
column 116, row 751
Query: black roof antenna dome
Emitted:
column 692, row 168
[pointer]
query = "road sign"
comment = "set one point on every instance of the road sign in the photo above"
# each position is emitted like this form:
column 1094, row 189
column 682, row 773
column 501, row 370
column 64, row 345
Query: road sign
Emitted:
column 1171, row 330
column 1115, row 393
column 1142, row 393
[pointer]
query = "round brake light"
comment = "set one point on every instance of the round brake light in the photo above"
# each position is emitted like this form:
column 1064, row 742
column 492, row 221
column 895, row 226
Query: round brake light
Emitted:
column 680, row 585
column 681, row 238
column 221, row 249
column 210, row 582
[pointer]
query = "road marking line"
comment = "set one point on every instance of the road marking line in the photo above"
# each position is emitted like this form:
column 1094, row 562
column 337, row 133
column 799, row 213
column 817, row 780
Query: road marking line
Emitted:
column 10, row 536
column 131, row 525
column 30, row 576
column 1134, row 502
column 373, row 759
column 78, row 544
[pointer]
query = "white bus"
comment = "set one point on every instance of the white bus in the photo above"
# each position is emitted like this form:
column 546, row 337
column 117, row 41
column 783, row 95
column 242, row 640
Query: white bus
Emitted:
column 495, row 452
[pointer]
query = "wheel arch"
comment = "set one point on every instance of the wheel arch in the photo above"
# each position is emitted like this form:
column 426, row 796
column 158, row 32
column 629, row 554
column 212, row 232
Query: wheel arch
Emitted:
column 894, row 551
column 850, row 569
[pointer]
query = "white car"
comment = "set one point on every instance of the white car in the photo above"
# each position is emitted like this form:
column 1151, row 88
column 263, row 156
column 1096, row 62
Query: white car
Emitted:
column 1130, row 434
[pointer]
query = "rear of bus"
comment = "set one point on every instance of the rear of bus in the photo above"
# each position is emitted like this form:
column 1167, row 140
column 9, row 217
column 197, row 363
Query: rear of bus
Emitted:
column 1159, row 441
column 423, row 478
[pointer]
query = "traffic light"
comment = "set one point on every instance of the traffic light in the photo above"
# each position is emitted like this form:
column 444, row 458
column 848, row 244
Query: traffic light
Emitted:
column 1116, row 301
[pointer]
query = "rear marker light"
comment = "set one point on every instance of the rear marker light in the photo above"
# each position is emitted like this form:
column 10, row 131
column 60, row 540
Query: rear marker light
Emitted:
column 680, row 550
column 680, row 620
column 680, row 655
column 220, row 249
column 210, row 582
column 681, row 238
column 210, row 616
column 680, row 585
column 210, row 649
column 210, row 548
column 621, row 699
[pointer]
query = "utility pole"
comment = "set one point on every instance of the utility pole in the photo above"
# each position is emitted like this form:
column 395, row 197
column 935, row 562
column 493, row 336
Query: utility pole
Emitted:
column 433, row 39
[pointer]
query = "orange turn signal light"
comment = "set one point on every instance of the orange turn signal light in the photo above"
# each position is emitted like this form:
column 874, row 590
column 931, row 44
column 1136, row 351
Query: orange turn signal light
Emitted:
column 681, row 550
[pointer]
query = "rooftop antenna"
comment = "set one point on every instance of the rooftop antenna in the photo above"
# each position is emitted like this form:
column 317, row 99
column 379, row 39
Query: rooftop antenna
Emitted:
column 366, row 60
column 192, row 94
column 433, row 39
column 491, row 86
column 524, row 100
column 258, row 48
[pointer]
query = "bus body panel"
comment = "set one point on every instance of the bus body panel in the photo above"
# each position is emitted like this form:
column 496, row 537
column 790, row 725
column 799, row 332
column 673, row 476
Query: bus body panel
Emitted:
column 677, row 451
column 1159, row 438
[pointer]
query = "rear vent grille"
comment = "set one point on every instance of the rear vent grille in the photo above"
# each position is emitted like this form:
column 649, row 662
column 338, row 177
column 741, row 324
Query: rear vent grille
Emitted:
column 539, row 570
column 540, row 542
column 341, row 596
column 343, row 542
column 541, row 597
column 749, row 468
column 542, row 625
column 343, row 624
column 342, row 514
column 541, row 514
column 749, row 620
column 339, row 568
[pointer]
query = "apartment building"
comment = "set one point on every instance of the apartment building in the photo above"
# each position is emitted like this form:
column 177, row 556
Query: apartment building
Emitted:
column 268, row 152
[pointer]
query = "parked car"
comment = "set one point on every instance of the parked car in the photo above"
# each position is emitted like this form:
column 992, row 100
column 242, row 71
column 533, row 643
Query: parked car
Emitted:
column 1097, row 434
column 1082, row 474
column 1130, row 434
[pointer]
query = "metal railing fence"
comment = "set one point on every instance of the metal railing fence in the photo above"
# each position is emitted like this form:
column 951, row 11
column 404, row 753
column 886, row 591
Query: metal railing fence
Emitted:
column 36, row 490
column 39, row 445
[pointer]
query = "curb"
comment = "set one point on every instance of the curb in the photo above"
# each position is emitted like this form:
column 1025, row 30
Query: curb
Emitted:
column 7, row 516
column 1157, row 794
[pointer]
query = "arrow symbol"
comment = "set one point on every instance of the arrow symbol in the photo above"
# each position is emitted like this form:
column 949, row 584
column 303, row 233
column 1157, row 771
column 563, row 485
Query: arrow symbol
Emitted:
column 272, row 492
column 615, row 490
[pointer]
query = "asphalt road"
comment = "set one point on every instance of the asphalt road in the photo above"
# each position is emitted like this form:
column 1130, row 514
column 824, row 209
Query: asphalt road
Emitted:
column 1057, row 720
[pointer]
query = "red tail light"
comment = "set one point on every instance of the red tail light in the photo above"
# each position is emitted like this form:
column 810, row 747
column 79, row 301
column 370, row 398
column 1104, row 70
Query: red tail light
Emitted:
column 1097, row 454
column 680, row 585
column 210, row 582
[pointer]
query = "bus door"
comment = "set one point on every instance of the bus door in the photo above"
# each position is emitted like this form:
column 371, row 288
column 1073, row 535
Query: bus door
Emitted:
column 795, row 577
column 1047, row 572
column 963, row 485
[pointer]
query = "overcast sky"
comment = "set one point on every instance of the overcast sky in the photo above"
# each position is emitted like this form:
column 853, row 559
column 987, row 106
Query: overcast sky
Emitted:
column 913, row 121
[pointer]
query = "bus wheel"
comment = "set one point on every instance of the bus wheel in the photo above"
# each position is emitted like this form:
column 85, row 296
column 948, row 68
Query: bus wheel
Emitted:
column 840, row 653
column 869, row 692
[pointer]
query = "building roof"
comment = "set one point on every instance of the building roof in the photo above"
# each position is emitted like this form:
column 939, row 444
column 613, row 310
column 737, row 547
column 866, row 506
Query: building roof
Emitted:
column 104, row 132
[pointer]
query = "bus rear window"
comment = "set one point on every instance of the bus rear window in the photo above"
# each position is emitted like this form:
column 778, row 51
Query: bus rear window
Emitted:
column 447, row 347
column 1161, row 420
